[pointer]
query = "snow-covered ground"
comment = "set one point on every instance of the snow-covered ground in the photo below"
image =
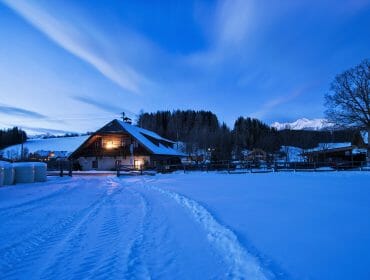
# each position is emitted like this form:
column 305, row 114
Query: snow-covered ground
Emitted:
column 188, row 226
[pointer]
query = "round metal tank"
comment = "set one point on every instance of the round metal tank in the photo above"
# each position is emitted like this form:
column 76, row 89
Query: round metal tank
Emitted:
column 24, row 172
column 40, row 171
column 8, row 172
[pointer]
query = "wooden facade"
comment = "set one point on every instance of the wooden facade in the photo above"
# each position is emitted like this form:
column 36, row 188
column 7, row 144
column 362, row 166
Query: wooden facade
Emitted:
column 124, row 144
column 336, row 155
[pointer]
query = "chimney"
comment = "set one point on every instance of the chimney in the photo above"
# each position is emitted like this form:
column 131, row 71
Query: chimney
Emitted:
column 127, row 120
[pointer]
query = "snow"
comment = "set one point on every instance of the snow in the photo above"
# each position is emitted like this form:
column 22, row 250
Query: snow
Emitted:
column 188, row 226
column 294, row 153
column 60, row 145
column 303, row 123
column 325, row 146
column 365, row 136
column 329, row 146
column 140, row 133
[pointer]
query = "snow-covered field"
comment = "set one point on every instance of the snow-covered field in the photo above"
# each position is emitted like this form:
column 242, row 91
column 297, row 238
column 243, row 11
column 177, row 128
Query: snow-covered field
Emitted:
column 188, row 226
column 65, row 144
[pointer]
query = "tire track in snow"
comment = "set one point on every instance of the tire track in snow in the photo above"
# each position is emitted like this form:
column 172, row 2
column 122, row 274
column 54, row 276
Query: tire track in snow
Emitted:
column 242, row 265
column 120, row 232
column 17, row 257
column 136, row 268
column 27, row 207
column 166, row 250
column 35, row 203
column 70, row 245
column 38, row 210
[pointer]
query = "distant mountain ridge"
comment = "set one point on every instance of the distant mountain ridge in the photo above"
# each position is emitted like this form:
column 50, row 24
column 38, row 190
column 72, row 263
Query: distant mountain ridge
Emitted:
column 303, row 124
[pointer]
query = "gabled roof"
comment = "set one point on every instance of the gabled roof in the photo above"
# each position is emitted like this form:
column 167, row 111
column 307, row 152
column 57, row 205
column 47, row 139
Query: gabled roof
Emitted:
column 324, row 148
column 143, row 136
column 161, row 145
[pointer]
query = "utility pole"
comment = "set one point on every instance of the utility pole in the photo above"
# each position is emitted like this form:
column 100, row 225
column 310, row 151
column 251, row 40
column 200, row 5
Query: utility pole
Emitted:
column 22, row 145
column 123, row 116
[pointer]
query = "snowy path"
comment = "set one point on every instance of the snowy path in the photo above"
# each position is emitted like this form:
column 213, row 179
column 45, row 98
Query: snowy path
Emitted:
column 104, row 227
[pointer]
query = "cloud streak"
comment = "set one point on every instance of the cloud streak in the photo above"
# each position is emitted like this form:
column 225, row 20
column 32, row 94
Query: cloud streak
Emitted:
column 19, row 112
column 232, row 22
column 102, row 105
column 268, row 107
column 71, row 39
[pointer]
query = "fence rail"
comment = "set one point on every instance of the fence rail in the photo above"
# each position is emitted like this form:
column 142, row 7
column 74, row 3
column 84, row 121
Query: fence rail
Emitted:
column 233, row 167
column 65, row 167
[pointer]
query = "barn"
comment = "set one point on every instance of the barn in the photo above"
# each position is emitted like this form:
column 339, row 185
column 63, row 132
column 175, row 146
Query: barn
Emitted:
column 338, row 154
column 120, row 142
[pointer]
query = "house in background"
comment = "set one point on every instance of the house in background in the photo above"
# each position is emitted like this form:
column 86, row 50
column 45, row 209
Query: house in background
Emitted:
column 336, row 153
column 120, row 142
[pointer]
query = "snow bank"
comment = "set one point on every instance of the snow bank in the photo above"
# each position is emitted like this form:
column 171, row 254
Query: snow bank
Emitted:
column 241, row 263
column 299, row 225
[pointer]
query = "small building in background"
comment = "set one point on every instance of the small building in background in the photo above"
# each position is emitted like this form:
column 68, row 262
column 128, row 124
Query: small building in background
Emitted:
column 121, row 143
column 336, row 153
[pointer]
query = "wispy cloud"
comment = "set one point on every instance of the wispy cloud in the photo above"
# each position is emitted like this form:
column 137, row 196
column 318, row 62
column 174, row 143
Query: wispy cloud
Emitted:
column 268, row 107
column 20, row 112
column 114, row 109
column 72, row 39
column 232, row 22
column 31, row 130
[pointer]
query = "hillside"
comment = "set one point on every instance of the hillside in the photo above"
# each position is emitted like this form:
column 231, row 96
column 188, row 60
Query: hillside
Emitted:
column 65, row 144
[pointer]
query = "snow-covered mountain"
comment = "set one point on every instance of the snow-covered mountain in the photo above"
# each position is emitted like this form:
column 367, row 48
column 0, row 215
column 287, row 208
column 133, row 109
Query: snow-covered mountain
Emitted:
column 305, row 124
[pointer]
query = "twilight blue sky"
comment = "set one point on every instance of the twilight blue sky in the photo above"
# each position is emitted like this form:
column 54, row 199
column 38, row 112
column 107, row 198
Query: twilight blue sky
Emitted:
column 74, row 65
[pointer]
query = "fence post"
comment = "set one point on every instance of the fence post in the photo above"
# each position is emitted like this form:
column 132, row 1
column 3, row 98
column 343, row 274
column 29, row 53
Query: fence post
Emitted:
column 118, row 168
column 70, row 169
column 61, row 168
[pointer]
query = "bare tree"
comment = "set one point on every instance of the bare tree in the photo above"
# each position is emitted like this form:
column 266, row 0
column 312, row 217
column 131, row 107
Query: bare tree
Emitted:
column 348, row 101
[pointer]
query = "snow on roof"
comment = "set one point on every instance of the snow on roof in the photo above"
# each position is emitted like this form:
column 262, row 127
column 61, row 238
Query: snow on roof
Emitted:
column 131, row 128
column 141, row 133
column 325, row 146
column 330, row 146
column 61, row 145
column 359, row 151
column 365, row 137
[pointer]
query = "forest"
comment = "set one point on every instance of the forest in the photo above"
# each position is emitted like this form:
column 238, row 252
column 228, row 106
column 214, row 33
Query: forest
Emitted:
column 12, row 136
column 201, row 131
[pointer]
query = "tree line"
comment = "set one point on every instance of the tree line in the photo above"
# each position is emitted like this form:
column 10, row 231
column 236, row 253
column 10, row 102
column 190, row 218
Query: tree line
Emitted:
column 12, row 136
column 201, row 132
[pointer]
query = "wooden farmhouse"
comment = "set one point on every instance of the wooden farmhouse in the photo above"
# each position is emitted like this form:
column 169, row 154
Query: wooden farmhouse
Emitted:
column 336, row 153
column 120, row 142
